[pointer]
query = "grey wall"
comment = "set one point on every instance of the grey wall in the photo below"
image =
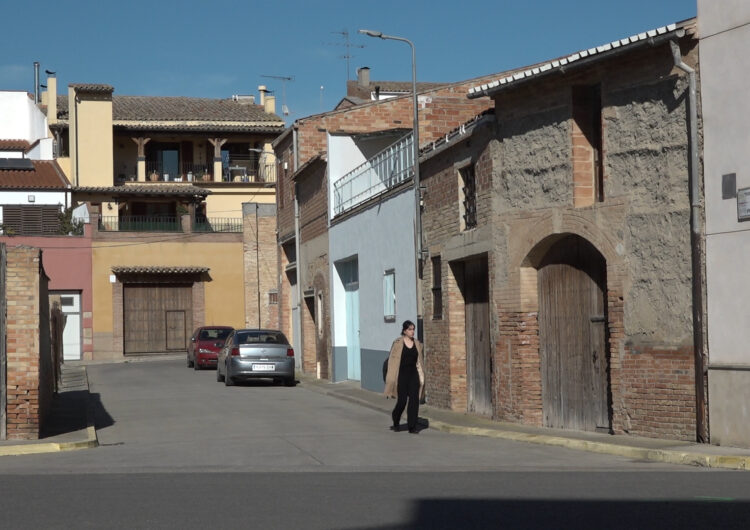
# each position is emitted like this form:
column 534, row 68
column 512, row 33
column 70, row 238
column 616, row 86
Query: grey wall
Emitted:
column 382, row 238
column 725, row 38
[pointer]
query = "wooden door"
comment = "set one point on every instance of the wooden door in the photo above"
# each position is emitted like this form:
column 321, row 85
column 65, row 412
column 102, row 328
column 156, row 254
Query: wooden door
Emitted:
column 151, row 317
column 175, row 324
column 572, row 333
column 478, row 358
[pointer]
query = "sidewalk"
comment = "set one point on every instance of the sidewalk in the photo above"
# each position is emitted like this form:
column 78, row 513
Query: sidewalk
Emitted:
column 71, row 422
column 637, row 448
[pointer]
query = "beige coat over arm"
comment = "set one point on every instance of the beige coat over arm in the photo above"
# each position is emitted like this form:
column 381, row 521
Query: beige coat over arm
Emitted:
column 394, row 362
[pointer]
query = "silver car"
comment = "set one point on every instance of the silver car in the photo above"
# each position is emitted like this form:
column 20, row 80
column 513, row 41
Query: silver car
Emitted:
column 256, row 353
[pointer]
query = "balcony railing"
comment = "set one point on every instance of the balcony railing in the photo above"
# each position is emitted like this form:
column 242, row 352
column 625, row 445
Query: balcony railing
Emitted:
column 385, row 170
column 187, row 173
column 139, row 223
column 218, row 224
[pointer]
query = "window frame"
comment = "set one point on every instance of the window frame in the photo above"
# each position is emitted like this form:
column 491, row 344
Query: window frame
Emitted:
column 437, row 287
column 389, row 317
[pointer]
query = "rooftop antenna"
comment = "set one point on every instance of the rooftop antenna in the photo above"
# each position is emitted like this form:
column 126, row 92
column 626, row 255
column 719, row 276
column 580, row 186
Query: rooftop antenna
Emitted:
column 283, row 79
column 348, row 45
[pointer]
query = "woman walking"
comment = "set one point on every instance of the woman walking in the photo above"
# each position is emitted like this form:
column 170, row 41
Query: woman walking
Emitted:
column 405, row 377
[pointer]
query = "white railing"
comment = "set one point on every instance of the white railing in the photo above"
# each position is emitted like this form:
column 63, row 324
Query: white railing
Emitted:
column 387, row 169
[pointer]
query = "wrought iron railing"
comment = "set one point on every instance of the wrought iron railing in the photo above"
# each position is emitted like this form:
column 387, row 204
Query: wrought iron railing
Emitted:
column 217, row 224
column 139, row 223
column 188, row 172
column 387, row 169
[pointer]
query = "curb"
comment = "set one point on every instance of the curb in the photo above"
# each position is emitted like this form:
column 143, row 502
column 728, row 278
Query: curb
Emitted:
column 665, row 456
column 90, row 442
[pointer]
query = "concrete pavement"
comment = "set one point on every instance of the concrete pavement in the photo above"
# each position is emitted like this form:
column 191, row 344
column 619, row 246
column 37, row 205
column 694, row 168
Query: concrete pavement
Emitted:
column 72, row 427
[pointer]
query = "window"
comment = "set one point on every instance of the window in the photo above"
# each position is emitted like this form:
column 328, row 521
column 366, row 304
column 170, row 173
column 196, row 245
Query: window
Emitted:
column 319, row 313
column 273, row 297
column 437, row 289
column 30, row 220
column 467, row 198
column 389, row 295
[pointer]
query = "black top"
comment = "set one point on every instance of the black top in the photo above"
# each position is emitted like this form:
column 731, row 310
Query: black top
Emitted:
column 409, row 356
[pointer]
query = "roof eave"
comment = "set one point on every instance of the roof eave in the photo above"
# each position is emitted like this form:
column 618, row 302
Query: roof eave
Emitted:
column 678, row 32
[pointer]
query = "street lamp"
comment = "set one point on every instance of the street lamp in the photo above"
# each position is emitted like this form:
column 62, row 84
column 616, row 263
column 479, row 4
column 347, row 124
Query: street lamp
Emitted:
column 415, row 133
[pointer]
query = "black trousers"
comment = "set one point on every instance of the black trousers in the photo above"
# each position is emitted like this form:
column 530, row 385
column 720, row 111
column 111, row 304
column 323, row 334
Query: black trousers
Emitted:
column 408, row 388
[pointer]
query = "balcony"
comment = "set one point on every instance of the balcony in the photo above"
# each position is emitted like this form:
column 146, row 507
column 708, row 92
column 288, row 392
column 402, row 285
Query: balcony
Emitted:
column 384, row 171
column 155, row 172
column 139, row 223
column 217, row 224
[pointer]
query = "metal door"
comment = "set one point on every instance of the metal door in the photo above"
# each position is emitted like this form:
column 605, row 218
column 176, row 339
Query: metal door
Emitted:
column 572, row 333
column 478, row 351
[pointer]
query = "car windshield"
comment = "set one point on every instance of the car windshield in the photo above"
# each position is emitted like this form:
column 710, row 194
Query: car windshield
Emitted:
column 214, row 334
column 260, row 337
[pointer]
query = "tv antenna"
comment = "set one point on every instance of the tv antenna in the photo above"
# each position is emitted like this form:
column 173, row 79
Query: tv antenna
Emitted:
column 283, row 79
column 348, row 45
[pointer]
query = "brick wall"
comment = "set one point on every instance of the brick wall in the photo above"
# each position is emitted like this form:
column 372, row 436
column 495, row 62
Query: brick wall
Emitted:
column 260, row 260
column 29, row 368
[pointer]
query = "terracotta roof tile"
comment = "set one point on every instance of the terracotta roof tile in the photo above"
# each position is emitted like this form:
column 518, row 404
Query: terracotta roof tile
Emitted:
column 141, row 269
column 46, row 174
column 93, row 87
column 144, row 189
column 155, row 112
column 14, row 145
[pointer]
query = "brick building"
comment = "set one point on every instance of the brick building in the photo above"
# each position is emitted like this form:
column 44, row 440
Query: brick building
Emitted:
column 27, row 374
column 307, row 173
column 558, row 289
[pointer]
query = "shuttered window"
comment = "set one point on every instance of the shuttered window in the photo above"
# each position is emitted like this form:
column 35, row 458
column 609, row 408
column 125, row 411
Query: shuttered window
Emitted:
column 31, row 220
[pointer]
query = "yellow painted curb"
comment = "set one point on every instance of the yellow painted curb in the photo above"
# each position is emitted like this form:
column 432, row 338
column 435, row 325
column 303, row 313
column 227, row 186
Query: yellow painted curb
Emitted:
column 654, row 455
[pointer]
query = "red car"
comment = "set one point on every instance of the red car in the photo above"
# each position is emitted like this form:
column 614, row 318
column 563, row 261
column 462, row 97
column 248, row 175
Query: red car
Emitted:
column 205, row 345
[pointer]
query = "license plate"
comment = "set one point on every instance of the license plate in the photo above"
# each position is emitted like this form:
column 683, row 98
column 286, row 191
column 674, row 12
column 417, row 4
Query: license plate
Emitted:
column 263, row 367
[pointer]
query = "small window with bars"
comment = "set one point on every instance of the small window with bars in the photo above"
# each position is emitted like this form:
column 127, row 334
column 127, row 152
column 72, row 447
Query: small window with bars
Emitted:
column 389, row 295
column 467, row 197
column 273, row 297
column 437, row 289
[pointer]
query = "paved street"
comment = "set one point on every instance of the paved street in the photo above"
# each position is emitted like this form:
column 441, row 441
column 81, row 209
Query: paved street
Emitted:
column 179, row 450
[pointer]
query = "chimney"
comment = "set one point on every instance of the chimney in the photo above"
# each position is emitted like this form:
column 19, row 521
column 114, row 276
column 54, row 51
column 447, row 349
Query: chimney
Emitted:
column 269, row 104
column 262, row 90
column 363, row 76
column 51, row 99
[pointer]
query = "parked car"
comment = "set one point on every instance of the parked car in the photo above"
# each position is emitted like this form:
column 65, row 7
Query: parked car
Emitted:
column 205, row 344
column 256, row 353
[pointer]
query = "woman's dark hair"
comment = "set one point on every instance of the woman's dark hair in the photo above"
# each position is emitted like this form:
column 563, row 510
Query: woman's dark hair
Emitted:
column 406, row 325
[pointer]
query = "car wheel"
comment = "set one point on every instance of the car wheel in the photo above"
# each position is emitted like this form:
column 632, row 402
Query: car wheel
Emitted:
column 290, row 381
column 228, row 381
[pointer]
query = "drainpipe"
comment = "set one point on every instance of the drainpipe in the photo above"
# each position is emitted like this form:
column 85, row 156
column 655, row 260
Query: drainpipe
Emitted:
column 36, row 82
column 695, row 244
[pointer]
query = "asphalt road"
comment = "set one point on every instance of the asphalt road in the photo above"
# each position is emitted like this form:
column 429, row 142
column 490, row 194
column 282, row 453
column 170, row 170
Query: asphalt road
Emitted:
column 180, row 450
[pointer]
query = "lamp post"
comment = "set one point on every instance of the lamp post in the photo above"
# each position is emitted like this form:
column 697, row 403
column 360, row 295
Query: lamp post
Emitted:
column 415, row 137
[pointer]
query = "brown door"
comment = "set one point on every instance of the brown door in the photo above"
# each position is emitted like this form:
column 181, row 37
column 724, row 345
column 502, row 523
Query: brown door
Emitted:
column 478, row 364
column 572, row 333
column 155, row 317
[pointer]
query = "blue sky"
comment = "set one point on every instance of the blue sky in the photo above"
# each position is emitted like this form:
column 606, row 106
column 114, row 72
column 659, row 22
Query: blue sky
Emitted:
column 220, row 48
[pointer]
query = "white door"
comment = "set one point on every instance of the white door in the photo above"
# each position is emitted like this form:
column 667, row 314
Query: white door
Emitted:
column 71, row 308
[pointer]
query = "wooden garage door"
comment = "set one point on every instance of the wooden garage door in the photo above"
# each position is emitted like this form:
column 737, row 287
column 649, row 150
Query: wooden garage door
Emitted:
column 572, row 337
column 156, row 318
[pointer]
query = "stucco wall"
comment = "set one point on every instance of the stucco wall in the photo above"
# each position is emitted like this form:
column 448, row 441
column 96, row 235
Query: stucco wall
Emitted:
column 725, row 35
column 91, row 138
column 388, row 228
column 20, row 119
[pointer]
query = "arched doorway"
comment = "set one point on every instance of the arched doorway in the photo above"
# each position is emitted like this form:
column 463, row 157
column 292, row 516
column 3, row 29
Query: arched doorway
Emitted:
column 571, row 283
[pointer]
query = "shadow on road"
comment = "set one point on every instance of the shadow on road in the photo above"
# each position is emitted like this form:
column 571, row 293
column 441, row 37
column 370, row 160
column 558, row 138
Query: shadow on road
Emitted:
column 69, row 413
column 561, row 514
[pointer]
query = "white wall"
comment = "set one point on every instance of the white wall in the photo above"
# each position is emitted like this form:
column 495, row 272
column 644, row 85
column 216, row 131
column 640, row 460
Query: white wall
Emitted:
column 40, row 197
column 343, row 156
column 20, row 118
